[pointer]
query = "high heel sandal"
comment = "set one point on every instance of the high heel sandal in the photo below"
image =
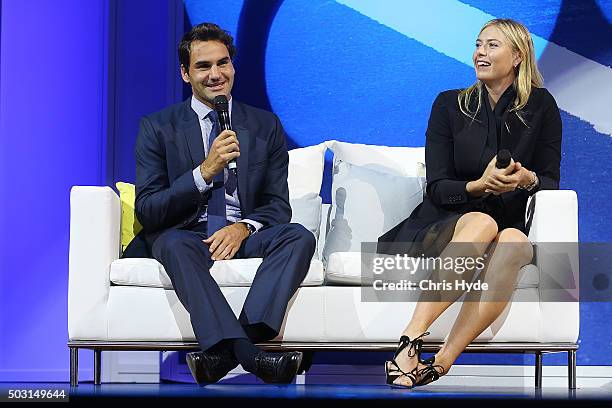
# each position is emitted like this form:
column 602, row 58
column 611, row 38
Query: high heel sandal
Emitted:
column 430, row 373
column 395, row 372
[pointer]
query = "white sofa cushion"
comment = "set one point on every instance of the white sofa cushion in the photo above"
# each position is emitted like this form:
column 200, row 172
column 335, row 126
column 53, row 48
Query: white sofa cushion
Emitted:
column 306, row 170
column 235, row 272
column 305, row 177
column 367, row 203
column 306, row 210
column 401, row 161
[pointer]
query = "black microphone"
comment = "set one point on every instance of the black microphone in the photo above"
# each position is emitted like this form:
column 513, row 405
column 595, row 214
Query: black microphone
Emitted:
column 503, row 159
column 222, row 109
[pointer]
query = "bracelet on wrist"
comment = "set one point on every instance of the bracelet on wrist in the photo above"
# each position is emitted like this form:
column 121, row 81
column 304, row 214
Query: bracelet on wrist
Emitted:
column 532, row 185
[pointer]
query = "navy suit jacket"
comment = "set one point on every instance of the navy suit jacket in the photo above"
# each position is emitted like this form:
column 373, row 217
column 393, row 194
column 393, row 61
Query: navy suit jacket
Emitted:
column 169, row 146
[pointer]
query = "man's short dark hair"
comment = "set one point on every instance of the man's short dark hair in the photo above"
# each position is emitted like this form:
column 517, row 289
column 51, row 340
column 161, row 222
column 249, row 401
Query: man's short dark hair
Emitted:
column 204, row 32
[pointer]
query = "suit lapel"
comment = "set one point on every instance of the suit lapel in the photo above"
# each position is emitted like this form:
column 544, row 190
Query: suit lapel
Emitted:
column 192, row 132
column 477, row 138
column 239, row 124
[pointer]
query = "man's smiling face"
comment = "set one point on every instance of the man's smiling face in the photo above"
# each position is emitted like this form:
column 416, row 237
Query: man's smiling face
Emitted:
column 211, row 72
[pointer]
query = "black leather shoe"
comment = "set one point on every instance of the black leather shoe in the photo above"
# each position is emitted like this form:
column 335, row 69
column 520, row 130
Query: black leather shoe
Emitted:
column 208, row 367
column 277, row 368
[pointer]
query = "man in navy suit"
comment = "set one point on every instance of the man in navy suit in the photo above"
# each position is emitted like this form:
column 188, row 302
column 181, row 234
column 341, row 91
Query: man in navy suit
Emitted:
column 195, row 211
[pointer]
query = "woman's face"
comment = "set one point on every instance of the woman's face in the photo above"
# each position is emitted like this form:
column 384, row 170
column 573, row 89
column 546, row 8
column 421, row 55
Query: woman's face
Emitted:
column 493, row 57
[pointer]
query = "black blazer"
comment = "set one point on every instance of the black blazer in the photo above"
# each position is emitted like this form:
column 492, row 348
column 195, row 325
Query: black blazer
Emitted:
column 169, row 146
column 458, row 149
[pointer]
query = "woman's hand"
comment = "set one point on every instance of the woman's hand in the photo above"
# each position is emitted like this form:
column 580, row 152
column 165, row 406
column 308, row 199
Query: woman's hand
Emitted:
column 478, row 188
column 497, row 181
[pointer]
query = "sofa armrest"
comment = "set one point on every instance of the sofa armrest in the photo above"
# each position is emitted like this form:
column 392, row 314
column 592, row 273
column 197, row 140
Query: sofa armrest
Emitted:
column 95, row 217
column 554, row 231
column 555, row 217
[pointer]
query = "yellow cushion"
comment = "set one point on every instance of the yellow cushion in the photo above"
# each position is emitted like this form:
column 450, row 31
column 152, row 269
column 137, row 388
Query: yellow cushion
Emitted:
column 129, row 223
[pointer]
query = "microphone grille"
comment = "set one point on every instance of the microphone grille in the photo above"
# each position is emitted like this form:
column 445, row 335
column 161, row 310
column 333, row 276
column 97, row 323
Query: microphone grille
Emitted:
column 220, row 103
column 503, row 158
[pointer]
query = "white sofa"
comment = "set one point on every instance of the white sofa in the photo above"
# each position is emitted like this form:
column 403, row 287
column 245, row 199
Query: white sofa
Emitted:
column 129, row 304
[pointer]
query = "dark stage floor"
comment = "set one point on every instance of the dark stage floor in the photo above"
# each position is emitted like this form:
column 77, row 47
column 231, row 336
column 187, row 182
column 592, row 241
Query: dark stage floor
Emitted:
column 269, row 395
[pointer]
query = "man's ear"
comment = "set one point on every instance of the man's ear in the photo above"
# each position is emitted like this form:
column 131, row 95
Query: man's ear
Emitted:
column 185, row 74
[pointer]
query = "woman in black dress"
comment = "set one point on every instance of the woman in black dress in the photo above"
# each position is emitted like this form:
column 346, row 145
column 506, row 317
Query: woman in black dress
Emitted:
column 471, row 202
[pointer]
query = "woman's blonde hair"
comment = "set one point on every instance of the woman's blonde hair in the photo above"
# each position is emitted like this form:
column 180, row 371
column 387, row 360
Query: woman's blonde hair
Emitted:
column 527, row 74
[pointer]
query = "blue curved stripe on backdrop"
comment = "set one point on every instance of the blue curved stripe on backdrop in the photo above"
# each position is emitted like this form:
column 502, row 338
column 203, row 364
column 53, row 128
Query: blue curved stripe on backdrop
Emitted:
column 434, row 23
column 333, row 73
column 584, row 27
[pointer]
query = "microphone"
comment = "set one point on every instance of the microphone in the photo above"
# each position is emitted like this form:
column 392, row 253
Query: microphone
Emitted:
column 222, row 109
column 503, row 159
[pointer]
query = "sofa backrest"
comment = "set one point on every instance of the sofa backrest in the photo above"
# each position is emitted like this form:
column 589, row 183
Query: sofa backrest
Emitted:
column 374, row 188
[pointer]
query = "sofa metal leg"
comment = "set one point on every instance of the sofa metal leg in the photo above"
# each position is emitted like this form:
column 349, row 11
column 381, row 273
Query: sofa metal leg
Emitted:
column 97, row 366
column 538, row 369
column 306, row 361
column 571, row 369
column 74, row 367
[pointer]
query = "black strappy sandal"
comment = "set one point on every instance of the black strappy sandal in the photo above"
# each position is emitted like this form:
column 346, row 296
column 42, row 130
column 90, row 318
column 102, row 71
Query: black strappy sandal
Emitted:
column 430, row 373
column 414, row 349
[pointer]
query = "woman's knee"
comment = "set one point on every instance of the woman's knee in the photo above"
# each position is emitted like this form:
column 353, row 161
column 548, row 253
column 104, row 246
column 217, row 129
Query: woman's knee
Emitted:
column 477, row 224
column 516, row 243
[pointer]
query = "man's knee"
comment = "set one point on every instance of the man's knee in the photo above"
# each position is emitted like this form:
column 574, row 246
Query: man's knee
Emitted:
column 301, row 235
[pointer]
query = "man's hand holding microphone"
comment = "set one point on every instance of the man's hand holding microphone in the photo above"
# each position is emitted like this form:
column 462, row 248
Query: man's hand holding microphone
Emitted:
column 224, row 149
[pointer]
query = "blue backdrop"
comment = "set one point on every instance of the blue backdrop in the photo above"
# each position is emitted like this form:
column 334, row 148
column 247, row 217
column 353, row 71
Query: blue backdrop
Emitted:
column 76, row 76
